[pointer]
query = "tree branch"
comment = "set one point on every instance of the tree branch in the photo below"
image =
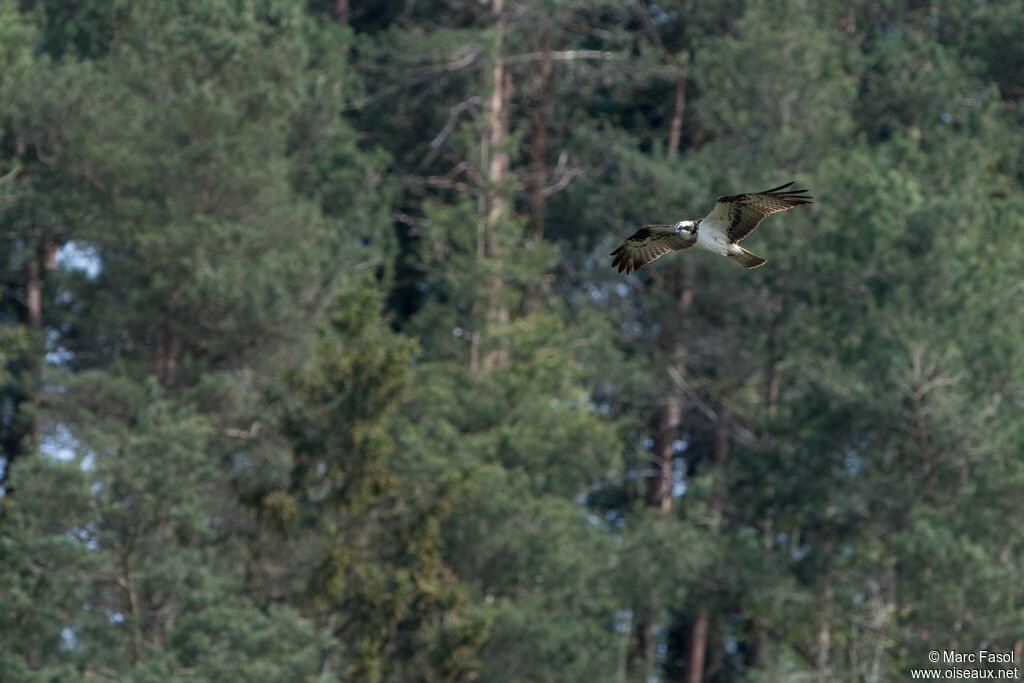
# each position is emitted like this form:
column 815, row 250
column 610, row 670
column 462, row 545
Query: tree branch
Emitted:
column 246, row 435
column 560, row 56
column 472, row 54
column 446, row 130
column 738, row 431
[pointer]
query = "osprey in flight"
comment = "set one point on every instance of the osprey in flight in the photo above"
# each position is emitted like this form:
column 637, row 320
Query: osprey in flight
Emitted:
column 733, row 218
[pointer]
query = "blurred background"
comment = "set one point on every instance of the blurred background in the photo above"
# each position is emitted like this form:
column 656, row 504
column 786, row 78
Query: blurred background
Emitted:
column 314, row 367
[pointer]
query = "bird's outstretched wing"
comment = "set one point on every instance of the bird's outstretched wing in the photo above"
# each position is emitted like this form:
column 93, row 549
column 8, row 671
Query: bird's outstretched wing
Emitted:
column 648, row 243
column 739, row 214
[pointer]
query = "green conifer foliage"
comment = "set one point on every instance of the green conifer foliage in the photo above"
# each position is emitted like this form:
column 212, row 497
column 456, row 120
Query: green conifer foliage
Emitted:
column 313, row 367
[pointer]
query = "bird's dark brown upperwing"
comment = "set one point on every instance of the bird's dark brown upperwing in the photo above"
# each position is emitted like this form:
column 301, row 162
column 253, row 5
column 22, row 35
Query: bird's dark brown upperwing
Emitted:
column 647, row 244
column 746, row 211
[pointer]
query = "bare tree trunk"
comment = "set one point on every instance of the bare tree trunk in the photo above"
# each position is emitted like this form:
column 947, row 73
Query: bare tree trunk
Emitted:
column 34, row 316
column 497, row 133
column 497, row 166
column 666, row 425
column 34, row 290
column 474, row 352
column 720, row 452
column 481, row 254
column 697, row 648
column 676, row 124
column 824, row 639
column 167, row 351
column 821, row 651
column 44, row 259
column 696, row 652
column 340, row 11
column 622, row 660
column 675, row 130
column 49, row 255
column 772, row 375
column 755, row 656
column 664, row 429
column 536, row 182
column 134, row 611
column 539, row 149
column 639, row 660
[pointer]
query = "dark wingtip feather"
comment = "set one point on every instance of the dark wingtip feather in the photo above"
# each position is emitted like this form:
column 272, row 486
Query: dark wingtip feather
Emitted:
column 623, row 263
column 620, row 260
column 797, row 197
column 787, row 193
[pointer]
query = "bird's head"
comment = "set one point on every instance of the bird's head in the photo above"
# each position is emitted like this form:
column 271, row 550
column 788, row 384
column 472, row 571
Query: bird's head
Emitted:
column 686, row 226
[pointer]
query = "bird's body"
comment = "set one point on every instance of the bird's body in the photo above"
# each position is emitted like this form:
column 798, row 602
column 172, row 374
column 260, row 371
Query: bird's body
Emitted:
column 715, row 241
column 711, row 237
column 732, row 218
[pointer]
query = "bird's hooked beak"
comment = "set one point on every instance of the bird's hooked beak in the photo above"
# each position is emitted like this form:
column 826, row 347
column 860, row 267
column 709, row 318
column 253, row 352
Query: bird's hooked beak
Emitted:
column 688, row 226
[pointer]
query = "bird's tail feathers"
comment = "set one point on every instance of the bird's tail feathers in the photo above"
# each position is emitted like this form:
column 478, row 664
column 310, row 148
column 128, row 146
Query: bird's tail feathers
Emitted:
column 745, row 258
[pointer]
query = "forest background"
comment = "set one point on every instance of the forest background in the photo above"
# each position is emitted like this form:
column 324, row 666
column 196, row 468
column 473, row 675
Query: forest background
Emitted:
column 314, row 367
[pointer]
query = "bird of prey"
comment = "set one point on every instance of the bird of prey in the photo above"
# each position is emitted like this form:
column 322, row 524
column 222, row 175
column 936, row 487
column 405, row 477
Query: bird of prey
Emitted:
column 733, row 218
